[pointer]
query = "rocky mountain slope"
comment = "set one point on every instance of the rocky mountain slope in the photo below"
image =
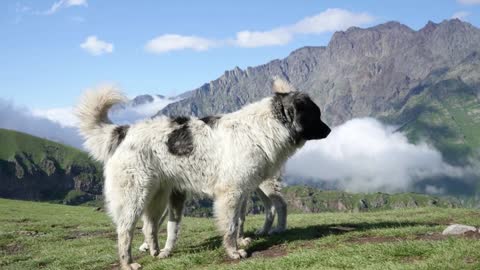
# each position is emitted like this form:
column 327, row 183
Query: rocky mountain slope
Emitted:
column 32, row 168
column 362, row 72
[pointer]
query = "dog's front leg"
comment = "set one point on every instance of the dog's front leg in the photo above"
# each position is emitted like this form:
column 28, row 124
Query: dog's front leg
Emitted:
column 227, row 210
column 242, row 240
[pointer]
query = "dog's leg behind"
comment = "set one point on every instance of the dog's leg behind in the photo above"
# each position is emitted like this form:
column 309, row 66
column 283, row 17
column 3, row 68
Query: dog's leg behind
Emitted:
column 227, row 211
column 144, row 247
column 242, row 240
column 151, row 221
column 274, row 203
column 175, row 213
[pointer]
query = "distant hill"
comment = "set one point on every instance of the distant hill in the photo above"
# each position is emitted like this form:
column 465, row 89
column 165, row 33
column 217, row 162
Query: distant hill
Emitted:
column 32, row 168
column 305, row 199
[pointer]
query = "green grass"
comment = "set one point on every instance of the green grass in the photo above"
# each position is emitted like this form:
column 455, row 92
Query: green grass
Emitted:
column 48, row 236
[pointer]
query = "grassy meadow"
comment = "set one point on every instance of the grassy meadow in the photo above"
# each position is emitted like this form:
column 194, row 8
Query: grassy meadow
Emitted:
column 50, row 236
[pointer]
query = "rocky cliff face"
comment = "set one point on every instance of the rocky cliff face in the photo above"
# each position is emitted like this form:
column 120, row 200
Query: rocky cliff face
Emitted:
column 362, row 72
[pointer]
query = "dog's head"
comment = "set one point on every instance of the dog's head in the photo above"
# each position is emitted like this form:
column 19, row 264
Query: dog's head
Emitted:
column 298, row 112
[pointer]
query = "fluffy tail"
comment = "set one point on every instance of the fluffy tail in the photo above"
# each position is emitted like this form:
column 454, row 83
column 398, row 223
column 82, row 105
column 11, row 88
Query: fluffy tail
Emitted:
column 95, row 126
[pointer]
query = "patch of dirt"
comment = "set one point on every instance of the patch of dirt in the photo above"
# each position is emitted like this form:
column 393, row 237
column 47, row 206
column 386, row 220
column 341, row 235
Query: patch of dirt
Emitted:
column 430, row 237
column 30, row 233
column 412, row 259
column 470, row 260
column 82, row 234
column 342, row 228
column 11, row 249
column 472, row 235
column 271, row 252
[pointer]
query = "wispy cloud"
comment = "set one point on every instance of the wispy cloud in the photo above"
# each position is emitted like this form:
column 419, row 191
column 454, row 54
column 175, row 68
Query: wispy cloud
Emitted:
column 365, row 155
column 95, row 46
column 469, row 2
column 61, row 4
column 172, row 42
column 461, row 15
column 328, row 21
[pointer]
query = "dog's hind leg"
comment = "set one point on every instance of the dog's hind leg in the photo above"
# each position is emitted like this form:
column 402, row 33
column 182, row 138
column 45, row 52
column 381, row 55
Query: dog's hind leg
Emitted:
column 242, row 240
column 227, row 211
column 269, row 212
column 281, row 208
column 151, row 216
column 175, row 213
column 272, row 198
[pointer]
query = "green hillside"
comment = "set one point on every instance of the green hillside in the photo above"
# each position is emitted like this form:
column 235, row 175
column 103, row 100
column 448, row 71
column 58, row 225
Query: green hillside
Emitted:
column 49, row 236
column 37, row 169
column 14, row 143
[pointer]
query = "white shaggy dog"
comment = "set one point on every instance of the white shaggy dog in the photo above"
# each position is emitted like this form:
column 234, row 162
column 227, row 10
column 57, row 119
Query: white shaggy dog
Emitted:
column 224, row 157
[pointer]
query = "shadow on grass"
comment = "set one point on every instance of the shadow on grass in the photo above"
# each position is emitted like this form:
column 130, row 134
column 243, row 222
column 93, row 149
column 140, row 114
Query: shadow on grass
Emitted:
column 308, row 233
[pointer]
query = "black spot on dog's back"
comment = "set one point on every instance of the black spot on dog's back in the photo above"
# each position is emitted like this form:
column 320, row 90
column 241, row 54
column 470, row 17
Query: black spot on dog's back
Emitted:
column 118, row 135
column 180, row 120
column 180, row 141
column 210, row 120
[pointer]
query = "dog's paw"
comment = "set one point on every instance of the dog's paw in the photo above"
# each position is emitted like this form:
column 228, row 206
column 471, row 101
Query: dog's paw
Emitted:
column 132, row 266
column 164, row 253
column 276, row 231
column 261, row 232
column 244, row 241
column 237, row 254
column 143, row 247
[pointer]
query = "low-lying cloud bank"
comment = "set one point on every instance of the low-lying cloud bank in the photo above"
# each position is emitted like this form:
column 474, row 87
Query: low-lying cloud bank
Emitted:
column 59, row 124
column 22, row 119
column 363, row 155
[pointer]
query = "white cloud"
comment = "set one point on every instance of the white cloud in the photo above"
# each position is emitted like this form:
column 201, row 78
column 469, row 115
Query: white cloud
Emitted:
column 365, row 155
column 63, row 116
column 130, row 113
column 171, row 42
column 22, row 119
column 121, row 114
column 332, row 19
column 64, row 4
column 328, row 21
column 461, row 15
column 95, row 46
column 469, row 2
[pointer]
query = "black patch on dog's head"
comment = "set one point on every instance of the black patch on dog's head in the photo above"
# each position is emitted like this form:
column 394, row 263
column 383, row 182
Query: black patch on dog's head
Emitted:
column 300, row 115
column 180, row 141
column 180, row 120
column 118, row 135
column 210, row 120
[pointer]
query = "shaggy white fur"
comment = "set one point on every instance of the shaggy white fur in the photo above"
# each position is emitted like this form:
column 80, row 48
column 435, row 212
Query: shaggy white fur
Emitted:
column 145, row 162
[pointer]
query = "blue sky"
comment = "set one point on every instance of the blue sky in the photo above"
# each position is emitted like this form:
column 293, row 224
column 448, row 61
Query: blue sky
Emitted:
column 52, row 50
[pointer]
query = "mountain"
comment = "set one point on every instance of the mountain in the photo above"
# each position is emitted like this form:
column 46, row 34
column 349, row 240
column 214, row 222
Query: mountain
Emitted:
column 362, row 72
column 32, row 168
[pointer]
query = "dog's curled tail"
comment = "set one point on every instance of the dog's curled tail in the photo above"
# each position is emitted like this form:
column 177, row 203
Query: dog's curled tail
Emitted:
column 94, row 124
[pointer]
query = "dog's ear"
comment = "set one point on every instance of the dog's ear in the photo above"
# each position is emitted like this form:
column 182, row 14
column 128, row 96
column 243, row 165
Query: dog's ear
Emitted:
column 281, row 86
